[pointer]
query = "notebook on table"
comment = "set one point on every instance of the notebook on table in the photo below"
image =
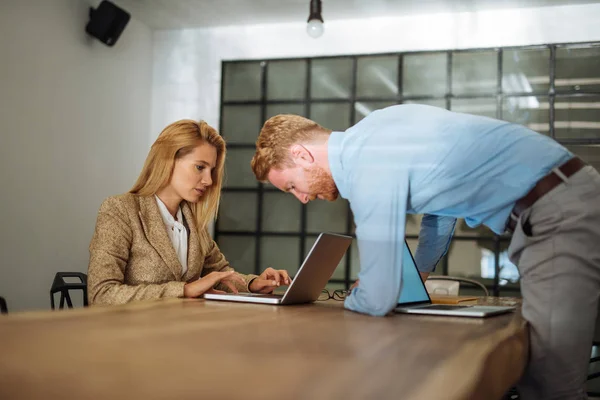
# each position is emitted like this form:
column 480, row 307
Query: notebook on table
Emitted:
column 450, row 299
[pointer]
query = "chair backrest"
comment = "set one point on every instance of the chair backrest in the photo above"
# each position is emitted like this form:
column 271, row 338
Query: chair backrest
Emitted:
column 60, row 285
column 450, row 285
column 597, row 331
column 3, row 306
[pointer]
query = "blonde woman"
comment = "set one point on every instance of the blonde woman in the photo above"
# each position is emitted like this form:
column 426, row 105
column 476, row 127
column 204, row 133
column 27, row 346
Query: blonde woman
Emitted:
column 153, row 242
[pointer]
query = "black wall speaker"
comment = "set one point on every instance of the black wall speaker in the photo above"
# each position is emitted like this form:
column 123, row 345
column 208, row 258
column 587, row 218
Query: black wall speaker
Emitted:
column 107, row 22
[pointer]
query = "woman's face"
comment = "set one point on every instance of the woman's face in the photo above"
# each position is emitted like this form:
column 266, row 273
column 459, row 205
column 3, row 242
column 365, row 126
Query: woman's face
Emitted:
column 192, row 173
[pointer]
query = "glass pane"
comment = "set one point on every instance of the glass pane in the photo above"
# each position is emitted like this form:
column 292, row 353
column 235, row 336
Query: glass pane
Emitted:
column 533, row 112
column 465, row 259
column 412, row 245
column 509, row 273
column 241, row 81
column 237, row 169
column 286, row 80
column 424, row 74
column 440, row 103
column 354, row 261
column 484, row 107
column 335, row 286
column 364, row 108
column 237, row 211
column 331, row 78
column 280, row 213
column 327, row 216
column 462, row 229
column 239, row 251
column 577, row 117
column 241, row 124
column 526, row 71
column 413, row 224
column 589, row 154
column 577, row 69
column 412, row 228
column 276, row 109
column 334, row 116
column 339, row 272
column 474, row 73
column 475, row 260
column 377, row 77
column 280, row 253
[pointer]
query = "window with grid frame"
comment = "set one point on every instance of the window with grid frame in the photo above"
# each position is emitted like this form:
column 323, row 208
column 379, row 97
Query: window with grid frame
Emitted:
column 553, row 89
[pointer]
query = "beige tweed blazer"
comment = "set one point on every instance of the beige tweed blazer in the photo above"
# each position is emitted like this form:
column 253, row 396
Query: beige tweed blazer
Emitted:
column 132, row 258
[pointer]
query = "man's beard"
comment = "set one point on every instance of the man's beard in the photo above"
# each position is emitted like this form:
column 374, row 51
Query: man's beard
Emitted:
column 321, row 183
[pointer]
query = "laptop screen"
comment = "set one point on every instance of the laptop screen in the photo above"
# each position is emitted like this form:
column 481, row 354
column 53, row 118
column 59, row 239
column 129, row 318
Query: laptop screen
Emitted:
column 413, row 289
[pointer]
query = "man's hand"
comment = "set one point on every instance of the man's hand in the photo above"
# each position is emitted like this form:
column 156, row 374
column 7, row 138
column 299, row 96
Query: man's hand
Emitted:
column 355, row 284
column 269, row 280
column 206, row 283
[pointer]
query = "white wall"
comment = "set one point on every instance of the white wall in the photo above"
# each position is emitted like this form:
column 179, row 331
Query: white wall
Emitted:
column 187, row 63
column 74, row 123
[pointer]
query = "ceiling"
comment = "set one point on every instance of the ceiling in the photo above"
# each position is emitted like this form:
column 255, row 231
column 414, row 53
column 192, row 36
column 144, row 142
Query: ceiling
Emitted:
column 177, row 14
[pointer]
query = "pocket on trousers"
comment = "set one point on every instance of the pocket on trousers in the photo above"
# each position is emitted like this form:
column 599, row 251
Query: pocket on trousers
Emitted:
column 541, row 220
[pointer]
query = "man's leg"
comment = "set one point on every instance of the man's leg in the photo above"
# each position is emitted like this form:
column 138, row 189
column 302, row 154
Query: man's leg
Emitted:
column 557, row 248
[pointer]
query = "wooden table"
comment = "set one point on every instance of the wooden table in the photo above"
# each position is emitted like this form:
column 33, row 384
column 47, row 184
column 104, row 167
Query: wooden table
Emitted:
column 192, row 349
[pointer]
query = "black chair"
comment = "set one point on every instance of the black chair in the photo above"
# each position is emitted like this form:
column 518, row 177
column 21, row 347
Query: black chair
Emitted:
column 594, row 359
column 512, row 394
column 60, row 285
column 594, row 375
column 3, row 306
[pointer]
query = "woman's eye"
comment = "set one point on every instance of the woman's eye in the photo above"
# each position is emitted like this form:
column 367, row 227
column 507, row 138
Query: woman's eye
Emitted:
column 200, row 167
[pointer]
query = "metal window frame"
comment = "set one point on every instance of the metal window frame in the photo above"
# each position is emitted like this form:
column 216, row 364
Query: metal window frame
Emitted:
column 498, row 94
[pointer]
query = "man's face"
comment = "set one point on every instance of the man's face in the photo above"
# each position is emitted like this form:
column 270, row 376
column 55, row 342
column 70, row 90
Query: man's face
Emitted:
column 306, row 184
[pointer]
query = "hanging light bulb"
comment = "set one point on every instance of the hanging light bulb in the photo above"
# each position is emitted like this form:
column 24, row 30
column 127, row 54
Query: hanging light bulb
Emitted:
column 314, row 28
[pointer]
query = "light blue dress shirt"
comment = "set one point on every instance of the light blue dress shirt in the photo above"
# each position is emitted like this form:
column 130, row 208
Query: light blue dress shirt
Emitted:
column 420, row 159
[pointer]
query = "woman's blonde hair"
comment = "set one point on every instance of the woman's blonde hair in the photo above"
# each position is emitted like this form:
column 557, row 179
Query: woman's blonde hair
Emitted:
column 276, row 137
column 175, row 141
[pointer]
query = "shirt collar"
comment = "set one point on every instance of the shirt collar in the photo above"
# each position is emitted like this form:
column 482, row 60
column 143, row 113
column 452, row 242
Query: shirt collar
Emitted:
column 166, row 215
column 334, row 156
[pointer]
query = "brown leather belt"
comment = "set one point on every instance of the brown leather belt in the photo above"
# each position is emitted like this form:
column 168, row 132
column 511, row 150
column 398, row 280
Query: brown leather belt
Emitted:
column 543, row 186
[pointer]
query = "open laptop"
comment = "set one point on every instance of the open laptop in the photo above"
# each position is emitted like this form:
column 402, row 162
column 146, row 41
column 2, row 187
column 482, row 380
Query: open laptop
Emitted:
column 317, row 268
column 414, row 298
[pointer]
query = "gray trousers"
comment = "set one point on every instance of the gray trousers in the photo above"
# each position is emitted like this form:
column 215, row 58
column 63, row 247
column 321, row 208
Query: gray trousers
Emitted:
column 556, row 246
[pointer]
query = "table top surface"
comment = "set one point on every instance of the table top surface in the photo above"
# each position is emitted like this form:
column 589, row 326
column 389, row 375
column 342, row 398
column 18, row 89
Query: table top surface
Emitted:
column 189, row 348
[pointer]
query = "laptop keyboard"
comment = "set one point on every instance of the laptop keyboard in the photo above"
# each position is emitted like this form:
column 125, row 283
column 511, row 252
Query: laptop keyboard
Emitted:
column 445, row 307
column 270, row 296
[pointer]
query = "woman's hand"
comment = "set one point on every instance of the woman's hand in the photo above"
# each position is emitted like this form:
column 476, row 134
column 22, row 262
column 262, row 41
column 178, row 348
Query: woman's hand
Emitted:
column 206, row 283
column 269, row 280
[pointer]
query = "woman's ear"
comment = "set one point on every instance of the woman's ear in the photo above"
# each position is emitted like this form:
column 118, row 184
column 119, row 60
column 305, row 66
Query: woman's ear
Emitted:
column 301, row 155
